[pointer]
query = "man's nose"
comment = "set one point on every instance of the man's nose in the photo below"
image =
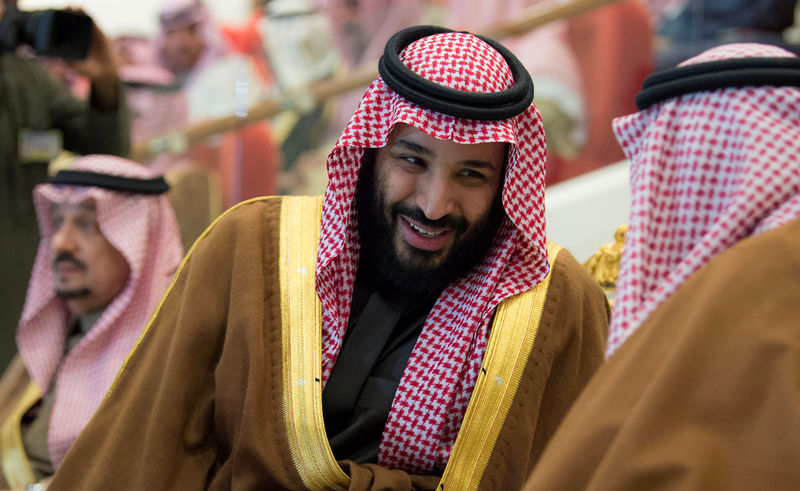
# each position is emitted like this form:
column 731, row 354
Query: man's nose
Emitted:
column 63, row 239
column 435, row 196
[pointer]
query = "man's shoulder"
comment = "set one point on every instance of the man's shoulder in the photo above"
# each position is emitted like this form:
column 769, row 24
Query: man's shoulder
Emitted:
column 256, row 209
column 770, row 258
column 253, row 217
column 750, row 286
column 569, row 286
column 574, row 297
column 249, row 209
column 566, row 270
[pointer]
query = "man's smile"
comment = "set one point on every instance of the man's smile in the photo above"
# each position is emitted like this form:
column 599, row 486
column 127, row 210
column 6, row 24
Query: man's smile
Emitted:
column 424, row 237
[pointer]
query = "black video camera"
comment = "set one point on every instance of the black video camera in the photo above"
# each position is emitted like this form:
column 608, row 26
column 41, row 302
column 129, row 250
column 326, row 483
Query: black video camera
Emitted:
column 57, row 33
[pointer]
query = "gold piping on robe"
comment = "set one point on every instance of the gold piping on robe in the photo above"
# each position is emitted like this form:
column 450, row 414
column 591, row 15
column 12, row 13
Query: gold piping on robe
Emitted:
column 511, row 342
column 16, row 466
column 510, row 345
column 301, row 318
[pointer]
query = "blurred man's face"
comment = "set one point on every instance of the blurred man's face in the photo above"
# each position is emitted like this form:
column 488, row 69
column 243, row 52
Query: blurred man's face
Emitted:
column 88, row 271
column 182, row 49
column 434, row 207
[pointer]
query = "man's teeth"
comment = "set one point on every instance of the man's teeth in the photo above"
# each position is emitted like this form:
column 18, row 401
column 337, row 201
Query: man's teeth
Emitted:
column 423, row 232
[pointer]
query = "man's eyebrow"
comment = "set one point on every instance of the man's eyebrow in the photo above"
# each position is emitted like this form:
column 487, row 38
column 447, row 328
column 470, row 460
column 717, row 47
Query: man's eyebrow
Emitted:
column 413, row 147
column 479, row 164
column 417, row 148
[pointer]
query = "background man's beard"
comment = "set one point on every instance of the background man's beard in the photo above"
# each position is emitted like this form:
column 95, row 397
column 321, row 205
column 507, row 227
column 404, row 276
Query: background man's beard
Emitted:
column 70, row 294
column 416, row 275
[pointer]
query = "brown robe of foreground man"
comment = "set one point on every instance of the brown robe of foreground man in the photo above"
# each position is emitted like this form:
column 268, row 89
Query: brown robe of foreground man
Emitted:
column 702, row 389
column 198, row 406
column 681, row 405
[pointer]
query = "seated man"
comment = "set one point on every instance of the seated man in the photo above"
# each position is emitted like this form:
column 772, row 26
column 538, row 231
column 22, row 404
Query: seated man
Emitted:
column 702, row 386
column 414, row 326
column 109, row 248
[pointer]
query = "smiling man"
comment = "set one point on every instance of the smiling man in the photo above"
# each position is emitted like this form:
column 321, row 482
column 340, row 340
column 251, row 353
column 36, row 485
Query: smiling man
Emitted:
column 429, row 207
column 109, row 248
column 413, row 328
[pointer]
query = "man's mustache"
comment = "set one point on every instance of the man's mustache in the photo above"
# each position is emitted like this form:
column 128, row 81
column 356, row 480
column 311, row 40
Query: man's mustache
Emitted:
column 416, row 214
column 67, row 257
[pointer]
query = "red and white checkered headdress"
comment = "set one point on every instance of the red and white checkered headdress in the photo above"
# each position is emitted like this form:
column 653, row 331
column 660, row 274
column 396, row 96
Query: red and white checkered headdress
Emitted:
column 433, row 394
column 708, row 169
column 142, row 228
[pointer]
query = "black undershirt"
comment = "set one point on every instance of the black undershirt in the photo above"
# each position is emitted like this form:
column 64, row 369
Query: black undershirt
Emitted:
column 381, row 332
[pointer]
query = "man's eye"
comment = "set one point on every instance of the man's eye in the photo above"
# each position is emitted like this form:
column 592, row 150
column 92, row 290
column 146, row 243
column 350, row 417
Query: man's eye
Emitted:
column 473, row 175
column 87, row 225
column 410, row 160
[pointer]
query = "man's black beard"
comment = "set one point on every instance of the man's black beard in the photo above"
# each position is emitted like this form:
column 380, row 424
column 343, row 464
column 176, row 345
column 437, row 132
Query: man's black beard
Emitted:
column 380, row 260
column 70, row 294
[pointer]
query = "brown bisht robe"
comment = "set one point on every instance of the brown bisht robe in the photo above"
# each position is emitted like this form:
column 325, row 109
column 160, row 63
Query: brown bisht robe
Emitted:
column 14, row 384
column 705, row 394
column 210, row 397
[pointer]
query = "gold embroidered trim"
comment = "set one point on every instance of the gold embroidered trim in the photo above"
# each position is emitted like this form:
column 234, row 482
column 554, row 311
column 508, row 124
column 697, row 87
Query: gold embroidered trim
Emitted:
column 301, row 319
column 16, row 466
column 510, row 345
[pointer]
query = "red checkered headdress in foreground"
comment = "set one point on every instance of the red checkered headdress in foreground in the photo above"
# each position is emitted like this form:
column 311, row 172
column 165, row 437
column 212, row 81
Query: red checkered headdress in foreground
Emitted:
column 709, row 168
column 140, row 226
column 433, row 394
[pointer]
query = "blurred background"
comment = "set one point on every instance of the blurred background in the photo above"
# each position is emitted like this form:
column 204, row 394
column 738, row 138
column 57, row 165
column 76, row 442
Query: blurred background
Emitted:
column 238, row 98
column 233, row 99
